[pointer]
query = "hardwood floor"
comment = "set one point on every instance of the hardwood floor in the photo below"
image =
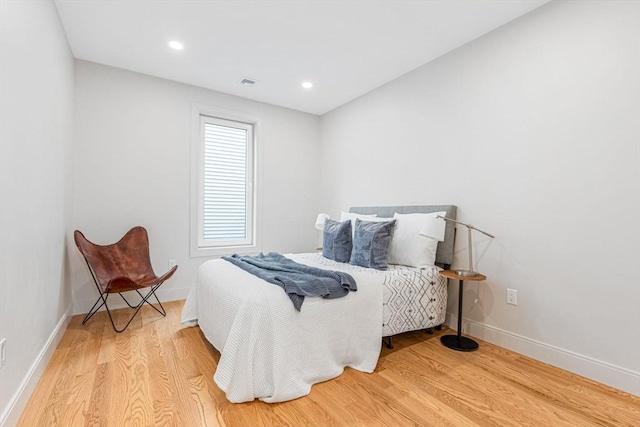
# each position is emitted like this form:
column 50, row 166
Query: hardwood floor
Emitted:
column 158, row 373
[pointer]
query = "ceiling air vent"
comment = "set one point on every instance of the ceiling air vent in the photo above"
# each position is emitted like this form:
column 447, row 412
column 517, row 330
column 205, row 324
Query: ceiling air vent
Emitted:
column 246, row 81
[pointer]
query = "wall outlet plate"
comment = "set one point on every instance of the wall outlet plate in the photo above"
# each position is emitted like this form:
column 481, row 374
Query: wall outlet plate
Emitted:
column 3, row 351
column 512, row 296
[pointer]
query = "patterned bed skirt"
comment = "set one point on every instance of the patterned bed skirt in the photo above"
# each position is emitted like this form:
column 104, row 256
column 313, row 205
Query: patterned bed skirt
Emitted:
column 413, row 299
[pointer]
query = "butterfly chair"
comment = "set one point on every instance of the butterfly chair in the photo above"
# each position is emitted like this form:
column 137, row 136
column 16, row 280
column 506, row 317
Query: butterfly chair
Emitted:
column 121, row 267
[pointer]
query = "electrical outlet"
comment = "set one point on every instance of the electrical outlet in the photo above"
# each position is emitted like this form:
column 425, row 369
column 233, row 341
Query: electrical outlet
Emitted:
column 172, row 263
column 3, row 351
column 512, row 296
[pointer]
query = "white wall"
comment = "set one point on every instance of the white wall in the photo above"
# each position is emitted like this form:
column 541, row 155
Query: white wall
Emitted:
column 132, row 166
column 36, row 115
column 533, row 132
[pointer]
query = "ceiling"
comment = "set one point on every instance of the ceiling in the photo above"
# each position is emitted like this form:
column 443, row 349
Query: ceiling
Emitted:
column 346, row 48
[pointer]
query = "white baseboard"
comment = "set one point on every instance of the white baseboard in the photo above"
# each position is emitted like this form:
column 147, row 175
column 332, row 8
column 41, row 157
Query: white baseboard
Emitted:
column 114, row 301
column 597, row 370
column 16, row 405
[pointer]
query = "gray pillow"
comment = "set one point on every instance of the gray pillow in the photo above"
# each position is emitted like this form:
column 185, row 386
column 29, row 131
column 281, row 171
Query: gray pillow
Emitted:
column 336, row 241
column 371, row 243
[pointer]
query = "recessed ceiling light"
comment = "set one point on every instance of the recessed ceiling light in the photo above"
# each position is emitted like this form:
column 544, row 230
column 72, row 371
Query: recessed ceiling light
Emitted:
column 176, row 45
column 307, row 85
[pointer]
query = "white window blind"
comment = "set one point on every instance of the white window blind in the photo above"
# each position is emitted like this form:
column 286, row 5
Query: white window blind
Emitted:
column 226, row 208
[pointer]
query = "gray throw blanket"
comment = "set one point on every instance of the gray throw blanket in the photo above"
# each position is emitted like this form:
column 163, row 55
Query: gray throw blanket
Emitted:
column 296, row 279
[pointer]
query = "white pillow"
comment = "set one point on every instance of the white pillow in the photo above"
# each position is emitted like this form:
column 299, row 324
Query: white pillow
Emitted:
column 345, row 216
column 352, row 216
column 408, row 247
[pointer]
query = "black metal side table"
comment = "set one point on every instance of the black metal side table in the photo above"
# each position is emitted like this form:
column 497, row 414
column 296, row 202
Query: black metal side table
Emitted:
column 458, row 342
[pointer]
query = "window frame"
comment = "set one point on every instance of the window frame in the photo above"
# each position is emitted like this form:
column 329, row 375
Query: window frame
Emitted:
column 198, row 246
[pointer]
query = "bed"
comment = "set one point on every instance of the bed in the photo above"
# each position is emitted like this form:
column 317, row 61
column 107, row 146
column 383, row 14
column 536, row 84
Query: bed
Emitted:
column 416, row 298
column 270, row 351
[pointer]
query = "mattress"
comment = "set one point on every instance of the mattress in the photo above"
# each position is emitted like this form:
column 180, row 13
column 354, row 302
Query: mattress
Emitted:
column 412, row 298
column 270, row 351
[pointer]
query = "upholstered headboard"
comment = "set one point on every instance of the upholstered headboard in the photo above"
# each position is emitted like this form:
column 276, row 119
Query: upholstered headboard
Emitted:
column 444, row 255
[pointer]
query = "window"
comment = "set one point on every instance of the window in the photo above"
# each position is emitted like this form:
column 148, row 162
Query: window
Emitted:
column 225, row 201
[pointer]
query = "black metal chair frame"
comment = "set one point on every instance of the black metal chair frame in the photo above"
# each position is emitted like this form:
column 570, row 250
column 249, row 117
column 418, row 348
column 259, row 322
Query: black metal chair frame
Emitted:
column 103, row 298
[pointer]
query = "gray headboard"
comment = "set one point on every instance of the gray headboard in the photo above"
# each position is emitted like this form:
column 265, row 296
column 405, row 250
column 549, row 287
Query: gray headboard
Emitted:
column 444, row 255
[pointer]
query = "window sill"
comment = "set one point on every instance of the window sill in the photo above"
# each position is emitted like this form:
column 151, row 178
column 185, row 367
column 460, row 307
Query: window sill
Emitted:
column 197, row 252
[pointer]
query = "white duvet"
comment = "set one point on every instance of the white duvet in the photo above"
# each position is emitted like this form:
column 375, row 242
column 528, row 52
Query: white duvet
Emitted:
column 270, row 351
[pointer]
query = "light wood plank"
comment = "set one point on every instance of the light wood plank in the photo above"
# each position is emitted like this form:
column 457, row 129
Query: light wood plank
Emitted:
column 158, row 373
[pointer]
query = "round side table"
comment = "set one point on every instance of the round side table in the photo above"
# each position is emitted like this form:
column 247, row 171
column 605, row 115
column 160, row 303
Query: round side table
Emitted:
column 458, row 342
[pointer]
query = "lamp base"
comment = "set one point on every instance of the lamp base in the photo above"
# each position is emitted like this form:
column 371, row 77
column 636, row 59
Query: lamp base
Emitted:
column 460, row 343
column 466, row 273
